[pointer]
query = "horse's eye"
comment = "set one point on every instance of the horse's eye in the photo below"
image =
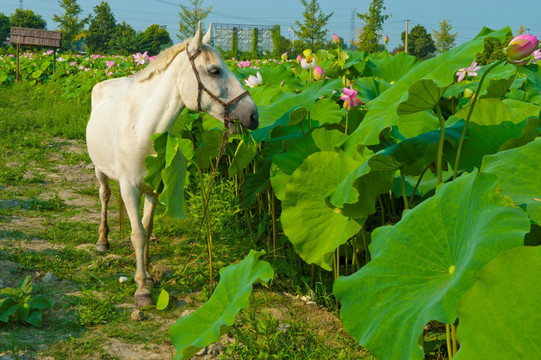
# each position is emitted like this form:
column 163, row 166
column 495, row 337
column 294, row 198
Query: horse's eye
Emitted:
column 214, row 71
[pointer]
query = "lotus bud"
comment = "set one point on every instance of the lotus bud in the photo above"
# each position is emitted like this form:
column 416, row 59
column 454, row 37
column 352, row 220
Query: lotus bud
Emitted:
column 299, row 58
column 521, row 47
column 318, row 73
column 385, row 39
column 284, row 56
column 335, row 39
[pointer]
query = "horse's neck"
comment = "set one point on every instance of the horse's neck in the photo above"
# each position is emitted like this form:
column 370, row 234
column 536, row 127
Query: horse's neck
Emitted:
column 162, row 98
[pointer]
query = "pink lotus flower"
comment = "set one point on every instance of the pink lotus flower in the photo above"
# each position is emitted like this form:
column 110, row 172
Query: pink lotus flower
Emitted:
column 521, row 47
column 243, row 64
column 471, row 71
column 110, row 64
column 307, row 65
column 140, row 59
column 253, row 81
column 536, row 56
column 151, row 59
column 73, row 63
column 335, row 39
column 349, row 95
column 299, row 58
column 318, row 73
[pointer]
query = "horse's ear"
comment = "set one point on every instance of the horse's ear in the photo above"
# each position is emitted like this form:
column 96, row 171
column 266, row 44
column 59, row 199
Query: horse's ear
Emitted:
column 206, row 38
column 195, row 43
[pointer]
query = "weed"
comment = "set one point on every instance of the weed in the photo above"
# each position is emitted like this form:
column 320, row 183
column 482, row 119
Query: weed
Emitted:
column 55, row 203
column 94, row 311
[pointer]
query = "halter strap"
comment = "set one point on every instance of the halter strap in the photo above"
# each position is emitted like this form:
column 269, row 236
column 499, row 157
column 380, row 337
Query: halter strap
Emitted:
column 201, row 87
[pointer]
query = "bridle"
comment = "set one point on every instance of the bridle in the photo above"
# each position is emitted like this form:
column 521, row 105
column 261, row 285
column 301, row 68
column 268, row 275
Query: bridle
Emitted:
column 202, row 87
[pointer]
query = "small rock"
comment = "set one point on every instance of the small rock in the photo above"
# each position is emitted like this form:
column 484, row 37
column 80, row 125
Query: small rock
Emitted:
column 311, row 303
column 122, row 279
column 283, row 328
column 215, row 349
column 187, row 312
column 49, row 278
column 138, row 315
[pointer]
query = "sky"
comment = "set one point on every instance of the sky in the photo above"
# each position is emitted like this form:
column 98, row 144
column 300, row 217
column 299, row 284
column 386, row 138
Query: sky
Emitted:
column 466, row 17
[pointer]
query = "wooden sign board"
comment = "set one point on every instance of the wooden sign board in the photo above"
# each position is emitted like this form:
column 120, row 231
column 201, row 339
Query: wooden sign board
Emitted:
column 36, row 37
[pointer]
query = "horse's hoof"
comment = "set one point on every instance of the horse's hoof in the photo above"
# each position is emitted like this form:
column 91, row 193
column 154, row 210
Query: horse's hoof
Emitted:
column 102, row 248
column 142, row 300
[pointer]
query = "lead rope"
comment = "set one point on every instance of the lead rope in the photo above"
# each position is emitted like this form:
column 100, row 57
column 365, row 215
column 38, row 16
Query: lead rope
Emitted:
column 227, row 121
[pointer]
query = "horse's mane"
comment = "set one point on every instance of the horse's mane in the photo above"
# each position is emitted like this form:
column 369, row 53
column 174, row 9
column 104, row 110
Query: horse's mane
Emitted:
column 161, row 62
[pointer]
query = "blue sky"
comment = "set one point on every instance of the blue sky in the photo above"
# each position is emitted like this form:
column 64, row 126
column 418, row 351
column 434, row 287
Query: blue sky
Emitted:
column 466, row 17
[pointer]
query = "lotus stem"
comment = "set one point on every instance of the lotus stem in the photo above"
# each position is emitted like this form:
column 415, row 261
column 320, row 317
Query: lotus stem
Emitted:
column 474, row 101
column 453, row 338
column 448, row 337
column 404, row 195
column 439, row 159
column 418, row 183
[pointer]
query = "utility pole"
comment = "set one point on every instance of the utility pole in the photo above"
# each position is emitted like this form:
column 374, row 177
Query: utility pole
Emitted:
column 527, row 31
column 406, row 40
column 352, row 26
column 21, row 4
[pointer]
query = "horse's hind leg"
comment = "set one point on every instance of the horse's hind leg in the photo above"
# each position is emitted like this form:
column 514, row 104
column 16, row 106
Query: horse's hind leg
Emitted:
column 105, row 194
column 148, row 222
column 132, row 199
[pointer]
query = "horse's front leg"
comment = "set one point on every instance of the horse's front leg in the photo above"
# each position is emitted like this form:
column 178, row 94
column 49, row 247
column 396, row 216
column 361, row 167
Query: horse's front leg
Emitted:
column 151, row 199
column 105, row 194
column 131, row 194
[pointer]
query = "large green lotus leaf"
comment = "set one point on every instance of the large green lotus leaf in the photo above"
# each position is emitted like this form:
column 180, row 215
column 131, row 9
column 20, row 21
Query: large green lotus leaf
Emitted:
column 286, row 101
column 166, row 171
column 173, row 176
column 255, row 183
column 391, row 68
column 518, row 170
column 415, row 154
column 411, row 125
column 326, row 111
column 529, row 133
column 422, row 265
column 193, row 332
column 244, row 154
column 499, row 315
column 493, row 123
column 209, row 148
column 382, row 110
column 370, row 88
column 283, row 165
column 156, row 163
column 422, row 95
column 315, row 227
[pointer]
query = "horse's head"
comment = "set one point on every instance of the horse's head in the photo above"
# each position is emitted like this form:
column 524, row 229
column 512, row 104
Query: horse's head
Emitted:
column 214, row 89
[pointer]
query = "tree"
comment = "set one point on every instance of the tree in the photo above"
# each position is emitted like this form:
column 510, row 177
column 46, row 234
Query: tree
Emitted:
column 420, row 43
column 313, row 30
column 101, row 29
column 124, row 40
column 5, row 26
column 190, row 17
column 370, row 32
column 153, row 39
column 444, row 39
column 69, row 22
column 27, row 18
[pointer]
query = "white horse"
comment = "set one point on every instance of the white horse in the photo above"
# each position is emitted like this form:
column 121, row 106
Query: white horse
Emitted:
column 126, row 112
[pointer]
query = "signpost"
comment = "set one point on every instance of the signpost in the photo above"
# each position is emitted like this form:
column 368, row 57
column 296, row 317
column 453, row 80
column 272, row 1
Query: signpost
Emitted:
column 35, row 37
